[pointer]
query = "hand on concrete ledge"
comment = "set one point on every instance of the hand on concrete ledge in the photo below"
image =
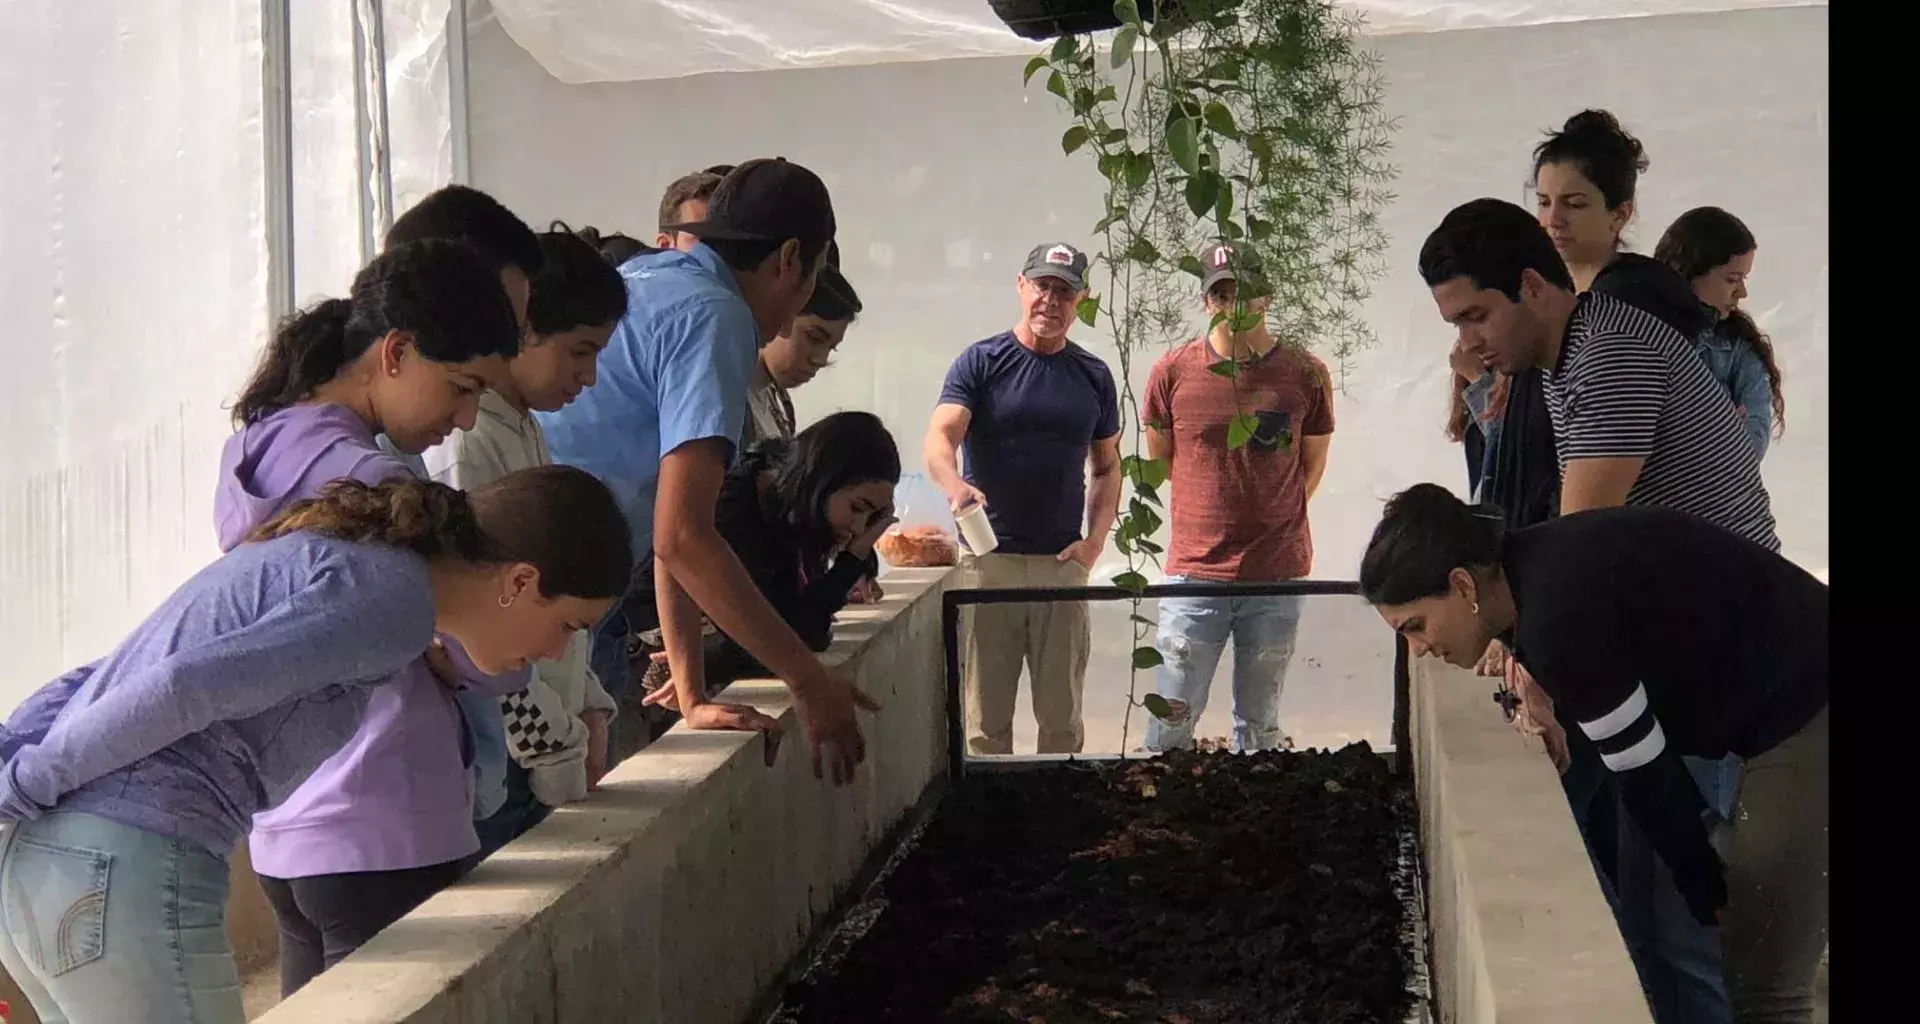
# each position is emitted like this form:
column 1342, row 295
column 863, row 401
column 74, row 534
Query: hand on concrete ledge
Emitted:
column 737, row 718
column 827, row 712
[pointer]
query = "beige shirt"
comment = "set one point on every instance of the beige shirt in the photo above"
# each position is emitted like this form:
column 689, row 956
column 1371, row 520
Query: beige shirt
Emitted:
column 545, row 734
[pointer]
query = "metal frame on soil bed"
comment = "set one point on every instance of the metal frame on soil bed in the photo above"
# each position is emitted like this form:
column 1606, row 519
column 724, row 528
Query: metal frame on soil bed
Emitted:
column 845, row 926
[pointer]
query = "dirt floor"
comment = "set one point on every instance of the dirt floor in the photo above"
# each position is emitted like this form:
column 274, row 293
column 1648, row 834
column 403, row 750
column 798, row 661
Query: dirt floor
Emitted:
column 1191, row 889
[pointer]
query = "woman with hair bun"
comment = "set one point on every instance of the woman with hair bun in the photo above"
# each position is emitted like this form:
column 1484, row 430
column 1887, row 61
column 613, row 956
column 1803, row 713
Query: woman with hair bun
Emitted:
column 1656, row 634
column 1714, row 251
column 127, row 782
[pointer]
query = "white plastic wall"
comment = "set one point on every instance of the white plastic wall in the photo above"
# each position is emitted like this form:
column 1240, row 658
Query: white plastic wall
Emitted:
column 132, row 273
column 944, row 174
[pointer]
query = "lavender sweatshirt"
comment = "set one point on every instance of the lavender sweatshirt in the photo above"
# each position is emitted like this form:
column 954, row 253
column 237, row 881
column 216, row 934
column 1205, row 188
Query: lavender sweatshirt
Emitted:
column 399, row 794
column 226, row 697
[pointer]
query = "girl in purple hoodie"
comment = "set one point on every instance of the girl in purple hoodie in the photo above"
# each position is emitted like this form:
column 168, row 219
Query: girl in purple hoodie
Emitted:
column 125, row 784
column 388, row 819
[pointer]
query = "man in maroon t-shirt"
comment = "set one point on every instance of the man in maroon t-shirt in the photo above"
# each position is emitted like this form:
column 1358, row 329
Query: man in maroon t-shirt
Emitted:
column 1239, row 514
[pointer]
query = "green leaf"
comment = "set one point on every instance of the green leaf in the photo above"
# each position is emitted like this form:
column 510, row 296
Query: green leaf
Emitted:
column 1106, row 94
column 1087, row 309
column 1261, row 147
column 1074, row 138
column 1143, row 620
column 1130, row 581
column 1140, row 250
column 1227, row 368
column 1157, row 706
column 1123, row 43
column 1153, row 472
column 1259, row 229
column 1147, row 494
column 1128, row 11
column 1113, row 136
column 1240, row 431
column 1191, row 264
column 1057, row 84
column 1032, row 66
column 1064, row 47
column 1149, row 546
column 1114, row 216
column 1244, row 319
column 1223, row 203
column 1203, row 190
column 1147, row 657
column 1183, row 142
column 1083, row 100
column 1232, row 230
column 1220, row 120
column 1139, row 169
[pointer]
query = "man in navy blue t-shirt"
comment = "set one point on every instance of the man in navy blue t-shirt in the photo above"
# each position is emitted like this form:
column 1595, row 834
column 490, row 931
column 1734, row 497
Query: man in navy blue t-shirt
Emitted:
column 1031, row 409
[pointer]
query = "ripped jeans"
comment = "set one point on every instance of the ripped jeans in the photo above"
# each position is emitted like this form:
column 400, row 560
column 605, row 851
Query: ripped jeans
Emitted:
column 105, row 923
column 1193, row 633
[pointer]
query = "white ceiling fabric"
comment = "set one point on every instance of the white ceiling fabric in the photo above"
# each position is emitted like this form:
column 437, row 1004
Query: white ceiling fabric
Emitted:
column 580, row 41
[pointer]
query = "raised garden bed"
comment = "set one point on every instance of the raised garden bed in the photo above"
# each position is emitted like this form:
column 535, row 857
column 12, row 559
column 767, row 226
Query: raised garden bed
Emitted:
column 1278, row 888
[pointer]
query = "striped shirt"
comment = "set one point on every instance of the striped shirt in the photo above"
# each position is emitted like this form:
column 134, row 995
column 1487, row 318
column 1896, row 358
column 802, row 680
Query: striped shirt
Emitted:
column 1629, row 386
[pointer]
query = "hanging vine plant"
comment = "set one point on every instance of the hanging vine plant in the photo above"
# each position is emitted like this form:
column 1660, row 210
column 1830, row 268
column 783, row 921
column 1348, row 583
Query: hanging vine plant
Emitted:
column 1256, row 122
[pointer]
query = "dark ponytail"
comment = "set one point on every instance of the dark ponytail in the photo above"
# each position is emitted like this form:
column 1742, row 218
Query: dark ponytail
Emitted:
column 429, row 519
column 442, row 293
column 615, row 248
column 1702, row 240
column 558, row 519
column 1425, row 534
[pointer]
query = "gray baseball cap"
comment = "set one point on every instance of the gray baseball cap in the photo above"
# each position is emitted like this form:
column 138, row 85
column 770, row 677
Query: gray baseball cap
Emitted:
column 1217, row 260
column 1057, row 259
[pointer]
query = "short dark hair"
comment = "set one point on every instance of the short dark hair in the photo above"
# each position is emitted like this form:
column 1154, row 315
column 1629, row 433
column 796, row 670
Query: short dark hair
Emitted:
column 1425, row 534
column 575, row 286
column 1605, row 153
column 686, row 189
column 1491, row 242
column 833, row 297
column 457, row 213
column 759, row 206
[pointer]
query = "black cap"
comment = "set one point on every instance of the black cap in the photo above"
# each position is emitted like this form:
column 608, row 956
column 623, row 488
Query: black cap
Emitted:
column 1217, row 261
column 1057, row 259
column 765, row 200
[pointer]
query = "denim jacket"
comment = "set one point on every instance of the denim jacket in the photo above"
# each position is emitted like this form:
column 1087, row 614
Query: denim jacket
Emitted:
column 1738, row 368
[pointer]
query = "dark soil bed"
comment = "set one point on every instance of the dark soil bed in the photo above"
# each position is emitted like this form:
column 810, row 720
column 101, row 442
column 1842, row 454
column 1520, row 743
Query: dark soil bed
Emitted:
column 1188, row 889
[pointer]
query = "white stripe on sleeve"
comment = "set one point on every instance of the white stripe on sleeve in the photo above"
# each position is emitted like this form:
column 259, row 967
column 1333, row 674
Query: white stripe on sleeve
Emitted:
column 1614, row 722
column 1640, row 753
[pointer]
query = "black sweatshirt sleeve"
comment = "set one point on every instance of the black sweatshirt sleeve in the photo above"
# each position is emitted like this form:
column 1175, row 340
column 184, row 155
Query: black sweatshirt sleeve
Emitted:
column 1655, row 787
column 825, row 595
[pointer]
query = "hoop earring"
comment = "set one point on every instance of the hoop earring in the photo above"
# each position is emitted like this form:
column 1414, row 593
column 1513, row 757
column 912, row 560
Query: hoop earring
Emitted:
column 1476, row 607
column 506, row 601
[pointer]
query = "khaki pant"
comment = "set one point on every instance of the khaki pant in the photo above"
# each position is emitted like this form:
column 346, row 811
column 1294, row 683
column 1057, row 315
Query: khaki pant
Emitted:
column 1052, row 638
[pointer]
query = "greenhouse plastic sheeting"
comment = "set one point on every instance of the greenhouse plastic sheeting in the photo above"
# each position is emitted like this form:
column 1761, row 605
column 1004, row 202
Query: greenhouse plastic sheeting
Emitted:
column 632, row 40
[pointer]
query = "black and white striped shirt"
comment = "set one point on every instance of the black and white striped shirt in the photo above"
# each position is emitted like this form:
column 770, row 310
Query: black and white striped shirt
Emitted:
column 1659, row 634
column 1629, row 386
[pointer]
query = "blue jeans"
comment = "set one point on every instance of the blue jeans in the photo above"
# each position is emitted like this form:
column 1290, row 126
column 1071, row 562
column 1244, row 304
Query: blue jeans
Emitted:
column 1193, row 633
column 1677, row 958
column 107, row 924
column 611, row 660
column 519, row 812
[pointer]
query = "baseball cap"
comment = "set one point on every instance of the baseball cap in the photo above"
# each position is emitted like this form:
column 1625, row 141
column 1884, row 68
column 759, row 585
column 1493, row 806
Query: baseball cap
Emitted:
column 766, row 200
column 1217, row 261
column 1057, row 259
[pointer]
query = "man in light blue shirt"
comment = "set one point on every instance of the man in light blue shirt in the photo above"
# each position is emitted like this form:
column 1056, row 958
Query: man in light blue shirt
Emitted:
column 660, row 425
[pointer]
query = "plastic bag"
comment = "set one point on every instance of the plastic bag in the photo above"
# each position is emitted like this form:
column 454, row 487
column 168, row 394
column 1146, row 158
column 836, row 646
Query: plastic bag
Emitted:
column 925, row 535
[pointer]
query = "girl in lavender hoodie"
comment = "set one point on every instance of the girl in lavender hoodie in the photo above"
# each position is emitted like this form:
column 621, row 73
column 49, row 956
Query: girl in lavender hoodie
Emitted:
column 386, row 821
column 126, row 783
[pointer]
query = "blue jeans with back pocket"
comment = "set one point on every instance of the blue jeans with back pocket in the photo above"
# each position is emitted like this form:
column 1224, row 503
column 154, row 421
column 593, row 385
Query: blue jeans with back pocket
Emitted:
column 103, row 923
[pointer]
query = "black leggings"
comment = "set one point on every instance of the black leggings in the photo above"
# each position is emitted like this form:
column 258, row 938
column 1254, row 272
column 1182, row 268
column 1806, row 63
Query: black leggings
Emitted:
column 323, row 918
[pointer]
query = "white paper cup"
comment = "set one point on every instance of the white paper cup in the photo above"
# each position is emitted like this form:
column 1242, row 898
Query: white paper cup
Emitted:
column 976, row 530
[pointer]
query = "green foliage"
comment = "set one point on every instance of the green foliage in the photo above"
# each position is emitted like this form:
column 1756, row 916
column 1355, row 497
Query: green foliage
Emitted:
column 1252, row 121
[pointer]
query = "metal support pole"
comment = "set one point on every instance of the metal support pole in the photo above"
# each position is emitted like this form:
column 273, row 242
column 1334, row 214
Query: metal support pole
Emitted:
column 276, row 129
column 956, row 727
column 461, row 128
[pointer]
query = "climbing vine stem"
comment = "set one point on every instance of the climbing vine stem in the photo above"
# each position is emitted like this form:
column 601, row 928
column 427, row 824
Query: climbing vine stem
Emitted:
column 1251, row 122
